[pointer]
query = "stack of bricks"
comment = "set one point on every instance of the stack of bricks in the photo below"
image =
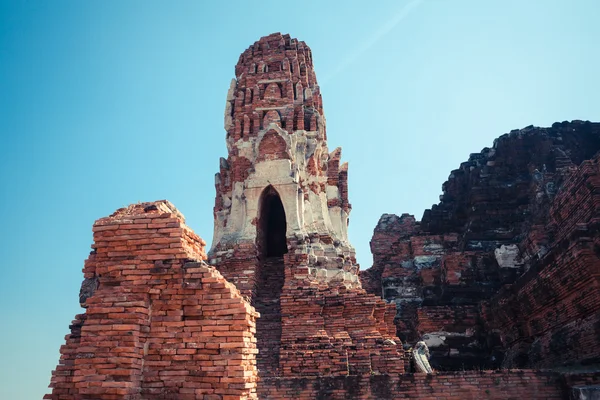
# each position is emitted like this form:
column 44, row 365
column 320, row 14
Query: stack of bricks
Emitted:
column 268, row 327
column 159, row 323
column 432, row 285
column 500, row 213
column 334, row 330
column 387, row 248
column 240, row 266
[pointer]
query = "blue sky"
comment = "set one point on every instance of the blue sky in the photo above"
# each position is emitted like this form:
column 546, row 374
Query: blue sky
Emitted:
column 107, row 103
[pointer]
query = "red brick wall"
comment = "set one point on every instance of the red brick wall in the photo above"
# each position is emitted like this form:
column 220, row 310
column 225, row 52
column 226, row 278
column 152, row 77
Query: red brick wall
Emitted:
column 333, row 330
column 272, row 147
column 161, row 323
column 240, row 266
column 520, row 194
column 446, row 318
column 330, row 331
column 550, row 315
column 468, row 385
column 326, row 329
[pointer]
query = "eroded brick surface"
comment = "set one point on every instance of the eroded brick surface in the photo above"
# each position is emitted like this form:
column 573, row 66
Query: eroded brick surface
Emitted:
column 277, row 144
column 551, row 315
column 472, row 385
column 161, row 323
column 506, row 263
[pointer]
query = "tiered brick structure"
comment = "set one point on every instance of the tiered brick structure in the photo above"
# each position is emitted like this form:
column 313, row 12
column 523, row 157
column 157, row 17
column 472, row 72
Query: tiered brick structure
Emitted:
column 281, row 218
column 278, row 164
column 159, row 322
column 500, row 215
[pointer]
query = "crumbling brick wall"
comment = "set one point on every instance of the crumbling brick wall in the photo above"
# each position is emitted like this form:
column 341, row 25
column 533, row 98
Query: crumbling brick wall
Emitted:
column 334, row 330
column 551, row 315
column 159, row 322
column 466, row 385
column 500, row 213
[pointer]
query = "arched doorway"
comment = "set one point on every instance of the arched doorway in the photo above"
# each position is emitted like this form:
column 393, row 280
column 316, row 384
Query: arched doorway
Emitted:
column 272, row 225
column 272, row 245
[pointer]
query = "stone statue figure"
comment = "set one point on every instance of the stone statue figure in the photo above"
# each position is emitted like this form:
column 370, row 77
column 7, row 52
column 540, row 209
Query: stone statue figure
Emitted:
column 421, row 358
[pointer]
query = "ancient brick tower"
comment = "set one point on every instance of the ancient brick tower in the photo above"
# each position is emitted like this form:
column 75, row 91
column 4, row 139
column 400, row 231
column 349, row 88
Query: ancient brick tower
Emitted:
column 281, row 218
column 279, row 180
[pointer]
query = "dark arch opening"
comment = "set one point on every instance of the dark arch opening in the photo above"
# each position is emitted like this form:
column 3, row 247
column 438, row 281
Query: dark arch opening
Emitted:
column 271, row 226
column 271, row 243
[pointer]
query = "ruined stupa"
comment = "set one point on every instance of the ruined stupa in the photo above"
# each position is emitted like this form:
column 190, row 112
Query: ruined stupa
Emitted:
column 279, row 186
column 281, row 220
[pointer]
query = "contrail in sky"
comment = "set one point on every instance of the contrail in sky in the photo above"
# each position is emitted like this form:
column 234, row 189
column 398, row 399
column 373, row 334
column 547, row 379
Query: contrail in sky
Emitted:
column 375, row 37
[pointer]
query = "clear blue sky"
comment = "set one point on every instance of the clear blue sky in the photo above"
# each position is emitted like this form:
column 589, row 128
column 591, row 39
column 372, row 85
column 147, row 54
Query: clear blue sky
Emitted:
column 106, row 103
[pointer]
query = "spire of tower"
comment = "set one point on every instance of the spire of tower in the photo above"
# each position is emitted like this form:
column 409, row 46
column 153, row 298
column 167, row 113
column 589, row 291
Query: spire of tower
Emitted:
column 277, row 145
column 275, row 83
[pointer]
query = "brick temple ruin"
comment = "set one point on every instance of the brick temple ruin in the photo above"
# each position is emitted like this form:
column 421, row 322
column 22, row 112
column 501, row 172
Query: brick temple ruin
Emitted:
column 500, row 279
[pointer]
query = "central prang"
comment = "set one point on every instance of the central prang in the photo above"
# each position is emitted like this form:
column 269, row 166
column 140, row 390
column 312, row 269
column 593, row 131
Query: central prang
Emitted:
column 281, row 221
column 280, row 189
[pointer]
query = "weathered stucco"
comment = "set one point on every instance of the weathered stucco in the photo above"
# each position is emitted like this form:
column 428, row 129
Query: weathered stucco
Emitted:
column 276, row 137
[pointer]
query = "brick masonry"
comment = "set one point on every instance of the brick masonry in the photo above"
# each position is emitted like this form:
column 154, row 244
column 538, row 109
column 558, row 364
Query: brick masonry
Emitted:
column 316, row 312
column 159, row 322
column 503, row 272
column 550, row 316
column 470, row 385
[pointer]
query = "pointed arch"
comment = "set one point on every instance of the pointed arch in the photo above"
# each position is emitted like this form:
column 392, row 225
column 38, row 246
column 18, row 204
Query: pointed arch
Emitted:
column 272, row 225
column 271, row 116
column 272, row 146
column 273, row 91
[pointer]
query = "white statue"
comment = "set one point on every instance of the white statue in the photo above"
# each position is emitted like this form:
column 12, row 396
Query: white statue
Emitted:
column 421, row 358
